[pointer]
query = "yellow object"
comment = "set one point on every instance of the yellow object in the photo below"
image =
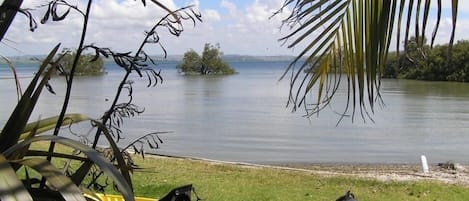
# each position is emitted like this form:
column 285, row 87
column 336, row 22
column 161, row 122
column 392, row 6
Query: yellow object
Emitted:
column 103, row 197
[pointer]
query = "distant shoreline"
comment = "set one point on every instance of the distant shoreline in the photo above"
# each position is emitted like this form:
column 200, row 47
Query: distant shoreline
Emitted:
column 175, row 58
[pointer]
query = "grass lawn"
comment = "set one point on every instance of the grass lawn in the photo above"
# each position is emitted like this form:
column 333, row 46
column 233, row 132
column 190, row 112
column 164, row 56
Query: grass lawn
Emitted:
column 230, row 182
column 220, row 182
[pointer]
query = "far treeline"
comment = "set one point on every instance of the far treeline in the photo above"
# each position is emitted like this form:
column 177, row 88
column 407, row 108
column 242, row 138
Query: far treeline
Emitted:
column 430, row 63
column 209, row 63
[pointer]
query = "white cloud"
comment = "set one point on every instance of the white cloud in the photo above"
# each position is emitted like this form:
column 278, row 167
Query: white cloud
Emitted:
column 251, row 30
column 446, row 25
column 232, row 9
column 211, row 15
column 194, row 3
column 120, row 24
column 115, row 24
column 463, row 6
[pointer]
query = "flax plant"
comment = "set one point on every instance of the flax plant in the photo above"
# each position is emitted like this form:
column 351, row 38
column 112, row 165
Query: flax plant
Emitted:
column 17, row 159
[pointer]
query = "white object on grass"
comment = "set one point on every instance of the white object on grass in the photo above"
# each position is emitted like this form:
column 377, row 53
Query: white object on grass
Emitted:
column 425, row 169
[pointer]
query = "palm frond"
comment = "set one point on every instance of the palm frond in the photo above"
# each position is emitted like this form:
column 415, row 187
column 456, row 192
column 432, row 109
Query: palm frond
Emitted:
column 350, row 37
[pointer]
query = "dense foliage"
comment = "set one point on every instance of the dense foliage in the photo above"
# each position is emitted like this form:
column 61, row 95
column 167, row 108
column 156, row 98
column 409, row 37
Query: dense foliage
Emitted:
column 87, row 64
column 432, row 64
column 209, row 63
column 93, row 169
column 191, row 62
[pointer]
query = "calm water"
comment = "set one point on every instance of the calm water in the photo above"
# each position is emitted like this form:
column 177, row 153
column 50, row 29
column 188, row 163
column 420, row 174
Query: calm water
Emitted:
column 243, row 117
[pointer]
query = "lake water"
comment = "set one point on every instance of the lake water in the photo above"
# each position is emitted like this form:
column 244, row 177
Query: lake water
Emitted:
column 243, row 117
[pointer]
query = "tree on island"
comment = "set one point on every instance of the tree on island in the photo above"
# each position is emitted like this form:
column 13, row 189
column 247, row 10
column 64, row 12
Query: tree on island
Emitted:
column 210, row 62
column 425, row 63
column 87, row 64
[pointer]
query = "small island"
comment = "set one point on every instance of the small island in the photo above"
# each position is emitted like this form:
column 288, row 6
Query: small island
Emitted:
column 88, row 64
column 210, row 63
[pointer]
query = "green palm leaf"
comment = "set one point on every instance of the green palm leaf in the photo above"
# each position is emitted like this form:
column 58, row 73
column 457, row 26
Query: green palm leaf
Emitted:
column 38, row 127
column 56, row 179
column 13, row 128
column 90, row 153
column 8, row 10
column 11, row 188
column 350, row 37
column 47, row 124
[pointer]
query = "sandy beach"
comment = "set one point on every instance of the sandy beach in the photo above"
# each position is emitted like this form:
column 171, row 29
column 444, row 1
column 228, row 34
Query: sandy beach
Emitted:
column 391, row 172
column 447, row 172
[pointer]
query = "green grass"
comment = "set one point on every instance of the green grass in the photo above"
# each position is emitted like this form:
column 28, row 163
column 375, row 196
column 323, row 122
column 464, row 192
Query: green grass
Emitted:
column 229, row 182
column 219, row 182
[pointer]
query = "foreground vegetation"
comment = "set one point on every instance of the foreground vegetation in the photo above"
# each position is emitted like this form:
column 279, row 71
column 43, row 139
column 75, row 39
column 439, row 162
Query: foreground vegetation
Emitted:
column 229, row 182
column 27, row 174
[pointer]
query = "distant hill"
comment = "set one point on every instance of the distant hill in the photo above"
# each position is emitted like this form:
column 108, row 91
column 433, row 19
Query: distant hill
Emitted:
column 235, row 58
column 176, row 58
column 24, row 59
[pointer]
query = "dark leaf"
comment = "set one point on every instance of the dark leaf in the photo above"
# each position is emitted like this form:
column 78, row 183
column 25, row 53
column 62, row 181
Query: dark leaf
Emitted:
column 96, row 55
column 437, row 24
column 149, row 79
column 135, row 149
column 161, row 141
column 32, row 22
column 142, row 153
column 49, row 88
column 104, row 53
column 55, row 16
column 154, row 141
column 46, row 15
column 149, row 144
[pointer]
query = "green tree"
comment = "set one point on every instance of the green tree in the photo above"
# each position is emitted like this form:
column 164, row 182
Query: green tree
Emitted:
column 87, row 64
column 362, row 31
column 459, row 64
column 210, row 62
column 412, row 63
column 431, row 64
column 191, row 62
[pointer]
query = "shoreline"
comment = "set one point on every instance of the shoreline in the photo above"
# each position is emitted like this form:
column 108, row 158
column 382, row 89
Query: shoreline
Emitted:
column 378, row 171
column 394, row 172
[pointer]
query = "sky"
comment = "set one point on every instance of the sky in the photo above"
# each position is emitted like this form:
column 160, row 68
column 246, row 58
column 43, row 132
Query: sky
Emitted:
column 241, row 27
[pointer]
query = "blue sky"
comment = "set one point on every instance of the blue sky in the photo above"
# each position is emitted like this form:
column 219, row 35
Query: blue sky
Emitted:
column 240, row 26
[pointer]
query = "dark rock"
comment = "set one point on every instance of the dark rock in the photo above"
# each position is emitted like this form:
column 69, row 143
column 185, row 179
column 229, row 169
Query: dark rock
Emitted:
column 347, row 197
